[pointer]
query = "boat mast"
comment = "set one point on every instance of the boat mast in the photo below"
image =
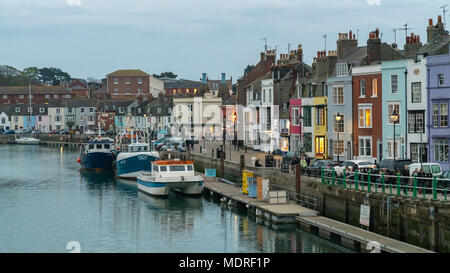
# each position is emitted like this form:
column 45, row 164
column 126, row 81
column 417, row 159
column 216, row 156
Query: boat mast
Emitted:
column 31, row 108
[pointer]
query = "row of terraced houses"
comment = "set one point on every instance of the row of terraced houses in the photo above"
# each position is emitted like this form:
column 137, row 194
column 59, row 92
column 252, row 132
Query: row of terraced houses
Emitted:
column 346, row 104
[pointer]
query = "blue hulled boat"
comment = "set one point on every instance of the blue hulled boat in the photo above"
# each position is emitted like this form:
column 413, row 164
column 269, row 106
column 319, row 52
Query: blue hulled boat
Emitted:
column 134, row 158
column 97, row 154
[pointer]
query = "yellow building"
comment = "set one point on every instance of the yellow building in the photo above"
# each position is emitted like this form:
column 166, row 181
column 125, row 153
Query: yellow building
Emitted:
column 320, row 127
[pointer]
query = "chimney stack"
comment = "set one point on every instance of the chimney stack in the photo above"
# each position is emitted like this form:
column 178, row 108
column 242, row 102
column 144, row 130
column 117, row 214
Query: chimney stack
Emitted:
column 373, row 47
column 435, row 30
column 300, row 53
column 346, row 43
column 263, row 56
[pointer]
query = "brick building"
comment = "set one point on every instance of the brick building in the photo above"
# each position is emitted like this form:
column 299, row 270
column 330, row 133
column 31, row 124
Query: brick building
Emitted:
column 39, row 94
column 129, row 84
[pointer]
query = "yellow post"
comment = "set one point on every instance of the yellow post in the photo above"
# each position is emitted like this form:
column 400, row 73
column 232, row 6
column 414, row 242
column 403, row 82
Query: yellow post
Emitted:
column 245, row 176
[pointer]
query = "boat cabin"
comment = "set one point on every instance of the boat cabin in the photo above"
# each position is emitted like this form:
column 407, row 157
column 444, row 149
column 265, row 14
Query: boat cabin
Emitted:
column 99, row 146
column 173, row 167
column 136, row 147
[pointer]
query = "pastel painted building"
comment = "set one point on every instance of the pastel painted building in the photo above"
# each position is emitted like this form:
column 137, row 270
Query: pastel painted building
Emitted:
column 394, row 99
column 295, row 111
column 5, row 113
column 438, row 88
column 416, row 106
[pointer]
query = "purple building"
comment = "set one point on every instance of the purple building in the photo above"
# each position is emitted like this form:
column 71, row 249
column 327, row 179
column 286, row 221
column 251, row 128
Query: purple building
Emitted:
column 438, row 88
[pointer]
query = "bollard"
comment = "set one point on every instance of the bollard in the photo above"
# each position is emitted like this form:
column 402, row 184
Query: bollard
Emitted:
column 415, row 187
column 369, row 187
column 332, row 177
column 434, row 188
column 382, row 183
column 356, row 180
column 406, row 190
column 398, row 184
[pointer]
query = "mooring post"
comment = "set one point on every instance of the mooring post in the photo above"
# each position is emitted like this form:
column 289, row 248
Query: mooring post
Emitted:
column 398, row 184
column 383, row 188
column 369, row 187
column 344, row 185
column 322, row 176
column 356, row 179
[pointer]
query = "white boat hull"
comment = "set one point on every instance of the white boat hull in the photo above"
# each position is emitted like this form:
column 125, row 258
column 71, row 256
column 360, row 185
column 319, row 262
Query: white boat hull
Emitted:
column 28, row 141
column 192, row 185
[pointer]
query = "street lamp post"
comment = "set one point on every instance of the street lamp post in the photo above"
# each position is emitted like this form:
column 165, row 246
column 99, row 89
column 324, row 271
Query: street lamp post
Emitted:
column 394, row 118
column 338, row 119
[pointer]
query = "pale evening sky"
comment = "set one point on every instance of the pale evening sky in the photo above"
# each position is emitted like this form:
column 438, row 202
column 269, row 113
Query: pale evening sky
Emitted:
column 91, row 38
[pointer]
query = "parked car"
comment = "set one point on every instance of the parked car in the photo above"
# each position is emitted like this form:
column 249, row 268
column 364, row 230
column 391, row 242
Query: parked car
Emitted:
column 64, row 132
column 170, row 146
column 9, row 132
column 429, row 168
column 353, row 165
column 391, row 167
column 89, row 132
column 23, row 131
column 444, row 180
column 291, row 158
column 316, row 167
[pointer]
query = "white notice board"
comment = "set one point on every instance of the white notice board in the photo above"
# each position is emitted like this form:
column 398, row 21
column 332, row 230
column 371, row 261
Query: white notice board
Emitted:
column 364, row 217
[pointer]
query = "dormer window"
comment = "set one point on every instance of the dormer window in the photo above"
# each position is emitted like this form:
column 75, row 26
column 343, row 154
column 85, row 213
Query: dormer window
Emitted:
column 17, row 109
column 341, row 70
column 41, row 110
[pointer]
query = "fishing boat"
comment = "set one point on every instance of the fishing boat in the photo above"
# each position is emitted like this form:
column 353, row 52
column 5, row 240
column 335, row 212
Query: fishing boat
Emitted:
column 97, row 154
column 27, row 140
column 134, row 158
column 172, row 174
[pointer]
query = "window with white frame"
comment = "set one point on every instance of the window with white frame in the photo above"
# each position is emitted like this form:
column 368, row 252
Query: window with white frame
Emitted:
column 30, row 96
column 394, row 84
column 416, row 92
column 58, row 111
column 440, row 114
column 440, row 79
column 127, row 81
column 139, row 90
column 270, row 94
column 139, row 80
column 391, row 147
column 116, row 91
column 341, row 70
column 362, row 88
column 338, row 95
column 128, row 91
column 416, row 122
column 30, row 109
column 441, row 149
column 41, row 110
column 5, row 96
column 264, row 95
column 16, row 119
column 159, row 110
column 17, row 109
column 116, row 81
column 365, row 146
column 374, row 87
column 337, row 144
column 338, row 127
column 47, row 96
column 320, row 116
column 365, row 116
column 295, row 115
column 55, row 96
column 414, row 150
column 20, row 96
column 391, row 108
column 67, row 96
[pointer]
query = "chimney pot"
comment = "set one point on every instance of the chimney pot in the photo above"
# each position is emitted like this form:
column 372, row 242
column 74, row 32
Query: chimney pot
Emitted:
column 350, row 34
column 439, row 19
column 354, row 37
column 430, row 22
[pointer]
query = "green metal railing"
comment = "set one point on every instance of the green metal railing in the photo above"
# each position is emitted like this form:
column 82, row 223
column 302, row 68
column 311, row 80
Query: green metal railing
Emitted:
column 344, row 181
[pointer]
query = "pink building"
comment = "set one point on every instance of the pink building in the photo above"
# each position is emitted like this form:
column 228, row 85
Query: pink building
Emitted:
column 295, row 111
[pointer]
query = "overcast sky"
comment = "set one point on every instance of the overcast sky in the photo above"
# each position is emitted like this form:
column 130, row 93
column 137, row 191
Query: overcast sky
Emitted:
column 91, row 38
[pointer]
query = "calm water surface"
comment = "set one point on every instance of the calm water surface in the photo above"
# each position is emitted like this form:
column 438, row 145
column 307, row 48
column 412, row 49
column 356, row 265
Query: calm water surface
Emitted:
column 46, row 202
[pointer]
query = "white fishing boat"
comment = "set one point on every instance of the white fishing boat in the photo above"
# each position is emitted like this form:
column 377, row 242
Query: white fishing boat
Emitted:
column 27, row 140
column 169, row 175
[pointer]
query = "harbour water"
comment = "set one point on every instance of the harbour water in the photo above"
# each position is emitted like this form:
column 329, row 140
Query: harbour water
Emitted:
column 46, row 202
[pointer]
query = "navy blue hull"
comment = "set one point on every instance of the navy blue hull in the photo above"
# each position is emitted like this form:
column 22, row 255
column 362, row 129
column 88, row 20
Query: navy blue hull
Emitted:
column 128, row 167
column 97, row 161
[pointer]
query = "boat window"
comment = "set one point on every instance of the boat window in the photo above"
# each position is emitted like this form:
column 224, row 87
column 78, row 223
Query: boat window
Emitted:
column 177, row 168
column 426, row 168
column 155, row 168
column 99, row 146
column 106, row 146
column 145, row 148
column 91, row 146
column 163, row 168
column 190, row 167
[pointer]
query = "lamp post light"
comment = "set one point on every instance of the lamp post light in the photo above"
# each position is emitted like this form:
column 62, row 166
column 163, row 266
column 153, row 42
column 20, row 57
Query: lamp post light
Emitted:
column 338, row 119
column 394, row 118
column 234, row 117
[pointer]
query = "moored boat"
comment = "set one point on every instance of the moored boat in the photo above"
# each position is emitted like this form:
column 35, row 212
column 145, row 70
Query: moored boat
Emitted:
column 134, row 158
column 169, row 174
column 27, row 140
column 97, row 154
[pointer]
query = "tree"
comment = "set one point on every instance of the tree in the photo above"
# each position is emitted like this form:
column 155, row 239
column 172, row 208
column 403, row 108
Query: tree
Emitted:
column 31, row 73
column 248, row 69
column 53, row 76
column 166, row 75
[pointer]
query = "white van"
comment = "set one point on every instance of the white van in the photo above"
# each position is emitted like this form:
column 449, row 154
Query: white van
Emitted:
column 433, row 168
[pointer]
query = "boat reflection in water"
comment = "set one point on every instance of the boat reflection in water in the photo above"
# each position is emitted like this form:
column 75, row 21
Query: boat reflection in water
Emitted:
column 97, row 180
